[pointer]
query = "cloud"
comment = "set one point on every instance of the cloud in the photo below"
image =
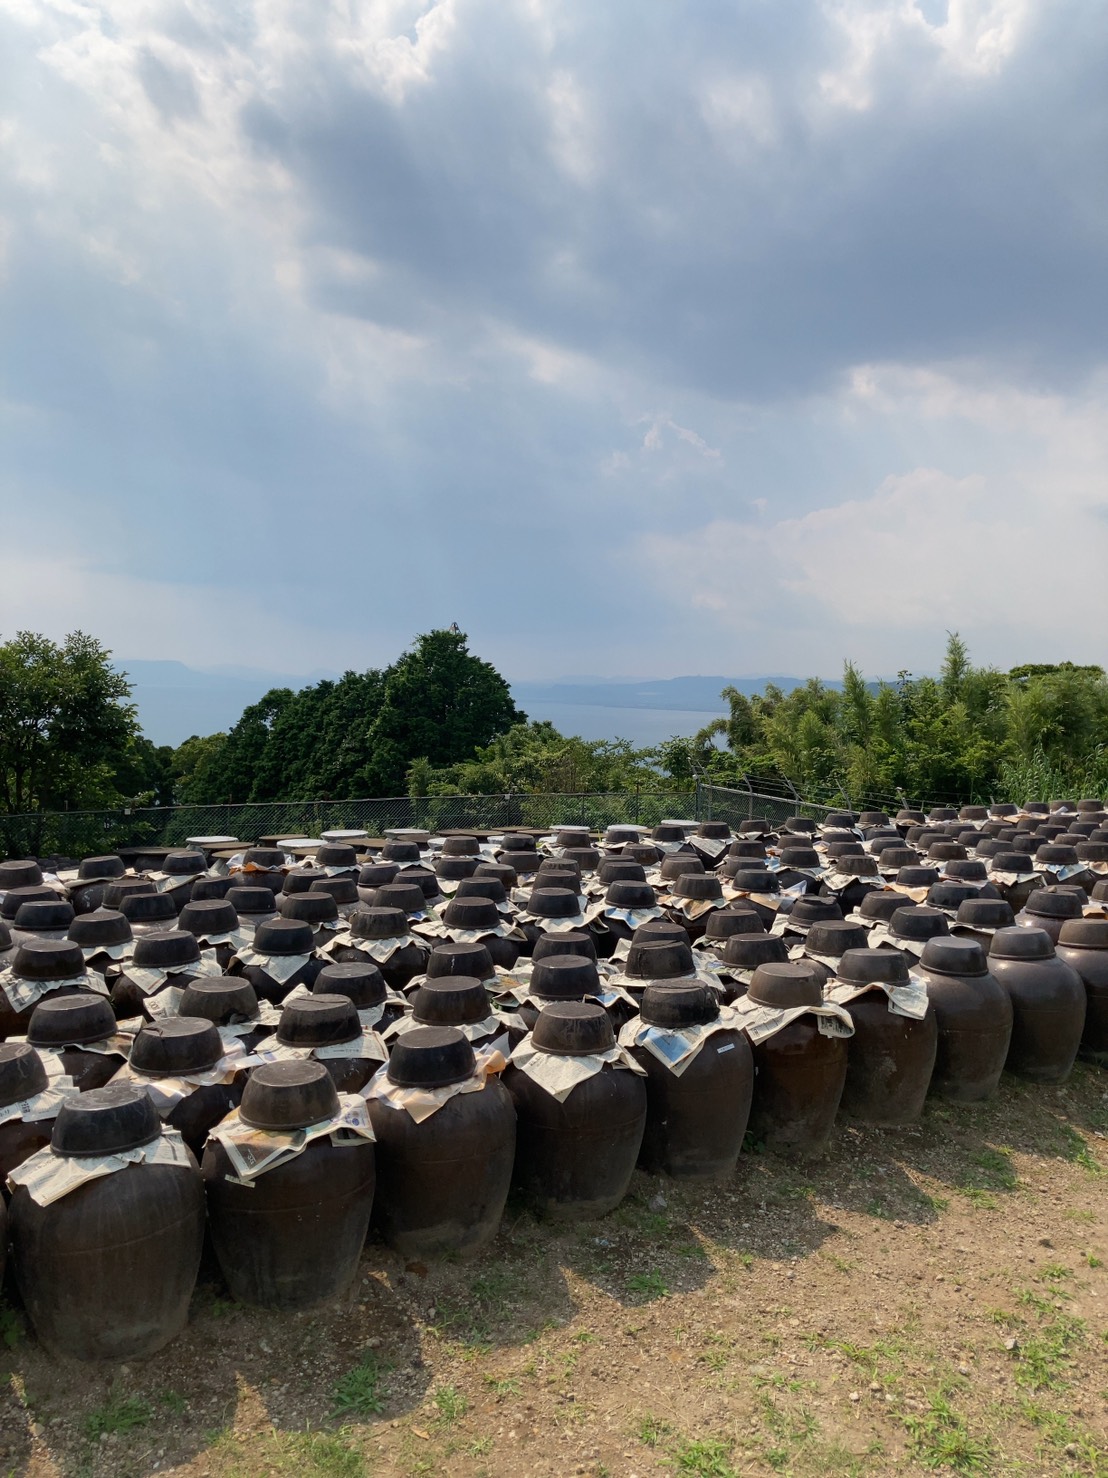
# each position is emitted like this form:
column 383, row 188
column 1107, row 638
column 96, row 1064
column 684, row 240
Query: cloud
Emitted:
column 388, row 313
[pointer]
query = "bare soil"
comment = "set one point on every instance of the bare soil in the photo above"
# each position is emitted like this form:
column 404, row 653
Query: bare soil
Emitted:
column 933, row 1299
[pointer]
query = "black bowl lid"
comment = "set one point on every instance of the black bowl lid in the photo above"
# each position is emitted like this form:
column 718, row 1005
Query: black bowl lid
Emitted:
column 755, row 880
column 398, row 852
column 1084, row 933
column 799, row 857
column 106, row 1121
column 289, row 1095
column 573, row 1029
column 471, row 959
column 308, row 908
column 553, row 903
column 174, row 1045
column 949, row 895
column 358, row 980
column 799, row 824
column 451, row 1000
column 18, row 899
column 835, row 936
column 104, row 927
column 206, row 916
column 501, row 872
column 985, row 913
column 169, row 950
column 92, row 869
column 472, row 913
column 954, row 956
column 22, row 1074
column 969, row 869
column 377, row 874
column 880, row 906
column 518, row 841
column 379, row 923
column 809, row 910
column 431, row 1057
column 675, row 1007
column 698, row 887
column 334, row 854
column 343, row 889
column 917, row 877
column 858, row 867
column 205, row 888
column 318, row 1020
column 460, row 847
column 76, row 1019
column 405, row 896
column 794, row 983
column 453, row 869
column 575, row 942
column 918, row 923
column 42, row 913
column 627, row 894
column 723, row 922
column 221, row 1001
column 660, row 960
column 861, row 966
column 20, row 873
column 482, row 887
column 715, row 831
column 280, row 937
column 1053, row 905
column 1021, row 943
column 681, row 864
column 1011, row 862
column 748, row 951
column 269, row 859
column 668, row 834
column 521, row 863
column 564, row 978
column 48, row 959
column 946, row 851
column 252, row 900
column 184, row 864
column 148, row 908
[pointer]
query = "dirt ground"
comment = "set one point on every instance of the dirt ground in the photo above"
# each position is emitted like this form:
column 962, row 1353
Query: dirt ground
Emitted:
column 935, row 1299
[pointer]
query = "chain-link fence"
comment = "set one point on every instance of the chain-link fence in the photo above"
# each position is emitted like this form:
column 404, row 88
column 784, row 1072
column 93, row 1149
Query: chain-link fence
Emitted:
column 88, row 833
column 718, row 803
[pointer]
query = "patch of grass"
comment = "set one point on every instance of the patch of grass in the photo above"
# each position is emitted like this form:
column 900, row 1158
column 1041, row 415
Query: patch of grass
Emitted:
column 1094, row 1262
column 933, row 1203
column 983, row 1200
column 706, row 1458
column 745, row 1260
column 452, row 1405
column 502, row 1385
column 647, row 1286
column 883, row 1359
column 219, row 1308
column 174, row 1402
column 118, row 1414
column 651, row 1429
column 690, row 1249
column 358, row 1393
column 307, row 1454
column 1042, row 1358
column 1055, row 1272
column 1076, row 1150
column 996, row 1168
column 941, row 1439
column 877, row 1207
column 1072, row 1214
column 1059, row 1432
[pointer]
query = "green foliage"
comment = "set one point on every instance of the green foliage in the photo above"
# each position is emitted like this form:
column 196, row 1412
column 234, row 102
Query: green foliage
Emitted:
column 66, row 728
column 536, row 757
column 971, row 734
column 359, row 736
column 118, row 1414
column 358, row 1393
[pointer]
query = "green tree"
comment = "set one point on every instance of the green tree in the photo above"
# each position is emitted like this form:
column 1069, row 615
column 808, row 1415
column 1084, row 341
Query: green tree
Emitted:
column 66, row 727
column 440, row 703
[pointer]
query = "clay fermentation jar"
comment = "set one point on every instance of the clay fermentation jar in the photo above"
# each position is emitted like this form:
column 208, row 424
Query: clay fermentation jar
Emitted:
column 442, row 1182
column 175, row 1048
column 799, row 1072
column 1048, row 1004
column 1083, row 944
column 292, row 1238
column 575, row 1158
column 68, row 1026
column 890, row 1057
column 106, row 1272
column 974, row 1015
column 695, row 1120
column 22, row 1076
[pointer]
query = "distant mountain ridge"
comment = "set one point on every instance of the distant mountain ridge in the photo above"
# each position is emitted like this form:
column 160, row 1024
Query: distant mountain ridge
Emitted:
column 692, row 694
column 175, row 700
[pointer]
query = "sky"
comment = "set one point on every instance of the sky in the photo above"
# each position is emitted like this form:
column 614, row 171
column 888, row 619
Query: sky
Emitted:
column 640, row 338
